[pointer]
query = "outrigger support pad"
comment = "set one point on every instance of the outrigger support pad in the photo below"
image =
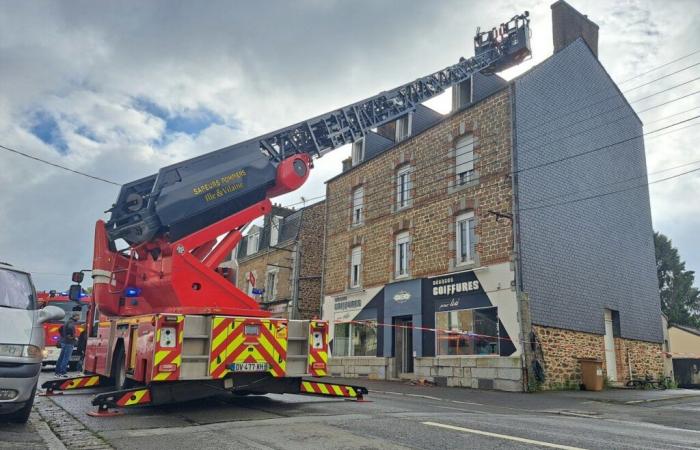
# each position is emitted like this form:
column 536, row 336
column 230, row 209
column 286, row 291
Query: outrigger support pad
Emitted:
column 308, row 387
column 69, row 384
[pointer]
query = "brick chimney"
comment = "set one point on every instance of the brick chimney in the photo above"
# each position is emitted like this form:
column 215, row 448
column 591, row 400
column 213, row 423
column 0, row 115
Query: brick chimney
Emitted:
column 569, row 24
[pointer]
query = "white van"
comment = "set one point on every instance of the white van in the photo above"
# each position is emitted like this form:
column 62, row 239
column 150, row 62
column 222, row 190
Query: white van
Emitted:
column 21, row 342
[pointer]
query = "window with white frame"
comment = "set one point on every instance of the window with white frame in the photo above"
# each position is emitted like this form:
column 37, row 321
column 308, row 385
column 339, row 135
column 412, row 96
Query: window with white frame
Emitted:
column 271, row 284
column 275, row 223
column 355, row 339
column 356, row 267
column 464, row 228
column 464, row 160
column 403, row 187
column 253, row 240
column 403, row 241
column 403, row 127
column 358, row 151
column 358, row 199
column 467, row 332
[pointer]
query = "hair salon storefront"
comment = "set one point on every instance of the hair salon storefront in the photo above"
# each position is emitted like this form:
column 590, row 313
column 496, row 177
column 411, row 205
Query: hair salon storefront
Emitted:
column 453, row 329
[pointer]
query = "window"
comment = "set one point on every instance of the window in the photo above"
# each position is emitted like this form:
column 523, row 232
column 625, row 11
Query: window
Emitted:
column 16, row 291
column 355, row 339
column 467, row 332
column 403, row 187
column 358, row 151
column 465, row 238
column 271, row 285
column 358, row 198
column 403, row 127
column 275, row 224
column 464, row 160
column 253, row 239
column 355, row 267
column 402, row 248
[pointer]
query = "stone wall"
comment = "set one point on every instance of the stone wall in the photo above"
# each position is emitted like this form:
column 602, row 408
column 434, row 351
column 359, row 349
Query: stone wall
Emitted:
column 311, row 231
column 562, row 349
column 435, row 200
column 482, row 372
column 361, row 366
column 259, row 264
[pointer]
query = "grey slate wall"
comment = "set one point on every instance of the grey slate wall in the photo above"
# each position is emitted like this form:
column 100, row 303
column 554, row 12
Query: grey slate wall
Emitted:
column 586, row 254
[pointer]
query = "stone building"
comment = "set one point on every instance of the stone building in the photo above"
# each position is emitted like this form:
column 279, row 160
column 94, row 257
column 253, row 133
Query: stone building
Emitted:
column 495, row 246
column 279, row 264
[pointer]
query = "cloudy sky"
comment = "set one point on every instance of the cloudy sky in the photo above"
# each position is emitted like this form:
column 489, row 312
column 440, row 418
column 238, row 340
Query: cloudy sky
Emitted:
column 120, row 89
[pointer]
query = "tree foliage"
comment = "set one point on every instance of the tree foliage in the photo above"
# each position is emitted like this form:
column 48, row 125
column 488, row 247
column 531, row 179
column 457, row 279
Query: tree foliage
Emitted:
column 680, row 301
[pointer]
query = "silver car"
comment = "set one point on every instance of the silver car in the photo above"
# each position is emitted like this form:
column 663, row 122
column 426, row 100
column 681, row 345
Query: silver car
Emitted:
column 21, row 342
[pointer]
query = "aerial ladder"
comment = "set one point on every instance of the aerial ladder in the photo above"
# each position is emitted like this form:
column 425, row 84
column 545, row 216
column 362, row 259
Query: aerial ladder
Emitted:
column 164, row 326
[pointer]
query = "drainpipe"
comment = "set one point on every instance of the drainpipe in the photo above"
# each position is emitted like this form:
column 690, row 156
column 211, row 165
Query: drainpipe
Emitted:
column 521, row 298
column 295, row 280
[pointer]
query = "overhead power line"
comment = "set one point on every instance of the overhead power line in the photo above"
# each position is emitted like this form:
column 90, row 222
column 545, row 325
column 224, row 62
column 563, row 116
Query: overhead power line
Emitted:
column 26, row 155
column 660, row 67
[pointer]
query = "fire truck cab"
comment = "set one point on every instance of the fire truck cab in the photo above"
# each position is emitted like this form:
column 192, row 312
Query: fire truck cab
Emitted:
column 52, row 328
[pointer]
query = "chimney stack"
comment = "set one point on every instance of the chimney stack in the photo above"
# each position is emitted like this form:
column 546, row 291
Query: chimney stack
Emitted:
column 569, row 24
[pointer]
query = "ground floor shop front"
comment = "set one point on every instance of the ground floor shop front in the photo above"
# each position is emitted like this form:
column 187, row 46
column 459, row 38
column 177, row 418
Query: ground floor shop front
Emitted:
column 456, row 329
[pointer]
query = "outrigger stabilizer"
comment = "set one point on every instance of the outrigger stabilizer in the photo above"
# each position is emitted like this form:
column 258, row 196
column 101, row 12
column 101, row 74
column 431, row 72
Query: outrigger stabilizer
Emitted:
column 171, row 392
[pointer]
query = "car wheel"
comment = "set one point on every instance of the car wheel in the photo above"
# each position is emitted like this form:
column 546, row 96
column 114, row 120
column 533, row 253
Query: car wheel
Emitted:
column 22, row 416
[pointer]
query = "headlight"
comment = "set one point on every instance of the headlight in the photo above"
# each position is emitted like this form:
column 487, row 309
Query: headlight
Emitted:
column 11, row 350
column 27, row 351
column 45, row 353
column 32, row 351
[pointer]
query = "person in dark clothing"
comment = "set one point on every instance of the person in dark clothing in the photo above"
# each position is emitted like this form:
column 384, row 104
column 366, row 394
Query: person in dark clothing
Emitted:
column 68, row 342
column 82, row 344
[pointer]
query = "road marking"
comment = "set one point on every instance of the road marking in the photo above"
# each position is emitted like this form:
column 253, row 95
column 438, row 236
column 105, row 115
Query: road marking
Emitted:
column 501, row 436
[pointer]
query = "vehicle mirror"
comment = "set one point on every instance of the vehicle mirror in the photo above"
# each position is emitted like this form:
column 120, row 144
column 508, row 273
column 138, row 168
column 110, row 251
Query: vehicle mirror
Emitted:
column 77, row 277
column 74, row 292
column 51, row 312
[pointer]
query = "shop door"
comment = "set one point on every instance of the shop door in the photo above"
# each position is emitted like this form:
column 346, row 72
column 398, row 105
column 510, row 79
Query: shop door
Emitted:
column 610, row 357
column 403, row 344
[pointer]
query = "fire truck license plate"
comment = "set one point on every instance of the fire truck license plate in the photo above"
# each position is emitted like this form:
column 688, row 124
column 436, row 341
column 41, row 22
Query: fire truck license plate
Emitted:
column 249, row 367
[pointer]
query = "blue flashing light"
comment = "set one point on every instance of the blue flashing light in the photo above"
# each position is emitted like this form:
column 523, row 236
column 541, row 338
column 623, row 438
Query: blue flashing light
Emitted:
column 132, row 292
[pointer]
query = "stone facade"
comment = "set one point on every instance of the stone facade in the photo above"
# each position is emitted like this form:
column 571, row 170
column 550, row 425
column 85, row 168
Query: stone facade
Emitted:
column 562, row 349
column 258, row 264
column 311, row 232
column 361, row 366
column 483, row 372
column 435, row 202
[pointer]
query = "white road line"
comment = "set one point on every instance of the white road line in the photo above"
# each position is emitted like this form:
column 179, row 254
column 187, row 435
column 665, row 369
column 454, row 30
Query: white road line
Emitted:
column 501, row 436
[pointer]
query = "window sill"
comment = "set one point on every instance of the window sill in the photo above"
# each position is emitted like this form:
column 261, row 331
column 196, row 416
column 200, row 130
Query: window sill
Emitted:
column 402, row 208
column 357, row 224
column 402, row 277
column 355, row 289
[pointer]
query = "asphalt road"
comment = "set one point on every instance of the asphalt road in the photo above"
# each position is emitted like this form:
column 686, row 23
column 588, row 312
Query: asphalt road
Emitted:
column 397, row 416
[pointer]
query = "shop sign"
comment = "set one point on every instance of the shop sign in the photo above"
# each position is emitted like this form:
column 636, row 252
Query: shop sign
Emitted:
column 342, row 304
column 402, row 297
column 450, row 285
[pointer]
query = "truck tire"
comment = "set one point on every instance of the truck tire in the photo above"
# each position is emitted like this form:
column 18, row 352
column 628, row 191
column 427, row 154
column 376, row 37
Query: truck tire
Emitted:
column 22, row 416
column 118, row 372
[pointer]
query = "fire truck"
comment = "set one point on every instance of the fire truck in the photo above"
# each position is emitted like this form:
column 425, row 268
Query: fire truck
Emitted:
column 52, row 334
column 173, row 329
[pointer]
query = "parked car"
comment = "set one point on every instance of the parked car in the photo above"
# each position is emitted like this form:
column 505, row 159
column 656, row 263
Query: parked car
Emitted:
column 21, row 342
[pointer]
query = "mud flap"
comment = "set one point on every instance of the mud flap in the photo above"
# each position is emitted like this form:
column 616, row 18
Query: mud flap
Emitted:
column 69, row 384
column 307, row 387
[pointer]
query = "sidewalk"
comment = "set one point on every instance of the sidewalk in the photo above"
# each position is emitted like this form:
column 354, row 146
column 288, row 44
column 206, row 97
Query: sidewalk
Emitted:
column 537, row 400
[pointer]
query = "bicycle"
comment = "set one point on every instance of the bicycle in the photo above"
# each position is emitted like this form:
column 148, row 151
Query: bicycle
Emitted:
column 649, row 383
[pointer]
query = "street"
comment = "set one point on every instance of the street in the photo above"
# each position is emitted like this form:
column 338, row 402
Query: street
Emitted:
column 397, row 415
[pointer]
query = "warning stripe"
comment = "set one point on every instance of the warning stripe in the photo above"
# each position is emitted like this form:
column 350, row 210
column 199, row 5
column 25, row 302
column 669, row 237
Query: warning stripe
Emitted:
column 168, row 355
column 139, row 397
column 333, row 390
column 77, row 383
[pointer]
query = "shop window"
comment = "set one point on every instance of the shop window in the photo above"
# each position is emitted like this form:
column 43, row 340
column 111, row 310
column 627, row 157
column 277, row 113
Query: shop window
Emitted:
column 403, row 241
column 403, row 187
column 358, row 151
column 364, row 338
column 464, row 160
column 358, row 198
column 356, row 267
column 464, row 228
column 355, row 339
column 341, row 339
column 467, row 332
